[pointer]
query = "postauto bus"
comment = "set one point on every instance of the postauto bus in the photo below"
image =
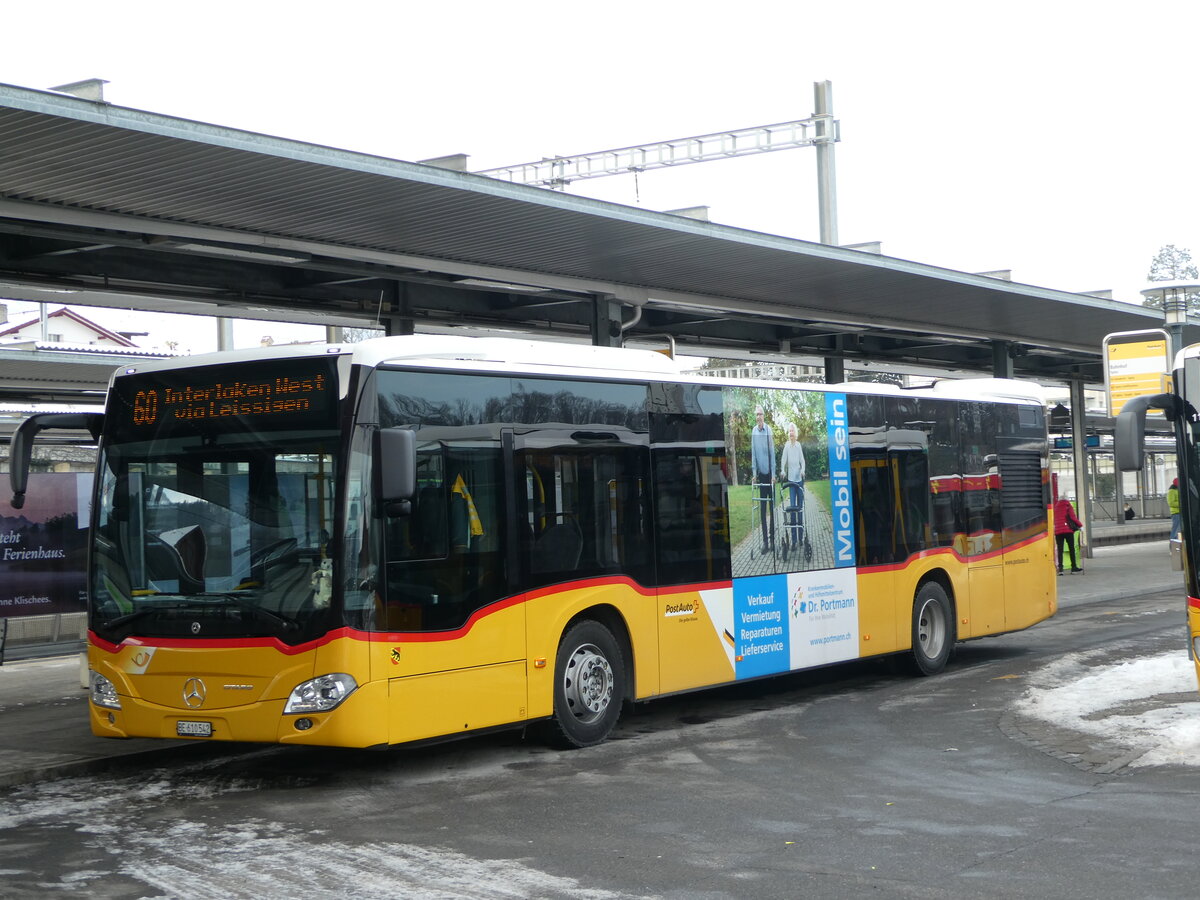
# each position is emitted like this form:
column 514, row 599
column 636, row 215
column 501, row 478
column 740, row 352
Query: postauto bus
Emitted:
column 1178, row 406
column 414, row 538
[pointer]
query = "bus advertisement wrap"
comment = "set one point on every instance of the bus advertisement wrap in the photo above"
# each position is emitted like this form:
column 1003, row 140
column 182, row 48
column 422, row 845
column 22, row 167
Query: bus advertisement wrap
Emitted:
column 839, row 479
column 794, row 588
column 823, row 614
column 760, row 610
column 43, row 547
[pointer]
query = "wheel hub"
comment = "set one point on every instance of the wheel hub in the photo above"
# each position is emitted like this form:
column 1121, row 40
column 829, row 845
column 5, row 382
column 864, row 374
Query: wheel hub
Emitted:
column 931, row 629
column 588, row 683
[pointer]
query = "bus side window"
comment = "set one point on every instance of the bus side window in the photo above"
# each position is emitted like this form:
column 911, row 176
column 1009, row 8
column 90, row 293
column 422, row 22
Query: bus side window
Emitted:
column 1023, row 479
column 444, row 560
column 582, row 510
column 874, row 496
column 422, row 534
column 908, row 458
column 691, row 485
column 945, row 471
column 691, row 519
column 981, row 479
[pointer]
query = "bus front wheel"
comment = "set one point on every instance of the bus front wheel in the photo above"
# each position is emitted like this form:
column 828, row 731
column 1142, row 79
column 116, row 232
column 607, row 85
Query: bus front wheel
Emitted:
column 589, row 686
column 932, row 629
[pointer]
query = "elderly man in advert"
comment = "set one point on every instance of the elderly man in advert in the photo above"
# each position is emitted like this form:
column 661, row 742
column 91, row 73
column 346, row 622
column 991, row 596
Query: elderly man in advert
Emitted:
column 762, row 457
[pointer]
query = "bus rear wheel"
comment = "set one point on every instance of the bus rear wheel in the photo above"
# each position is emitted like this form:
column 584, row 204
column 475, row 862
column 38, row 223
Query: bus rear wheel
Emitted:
column 932, row 629
column 589, row 686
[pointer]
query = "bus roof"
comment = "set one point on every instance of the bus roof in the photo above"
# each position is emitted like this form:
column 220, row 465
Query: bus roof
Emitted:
column 511, row 352
column 534, row 357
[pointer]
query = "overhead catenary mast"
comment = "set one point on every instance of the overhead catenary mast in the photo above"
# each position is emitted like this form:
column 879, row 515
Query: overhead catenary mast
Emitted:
column 821, row 130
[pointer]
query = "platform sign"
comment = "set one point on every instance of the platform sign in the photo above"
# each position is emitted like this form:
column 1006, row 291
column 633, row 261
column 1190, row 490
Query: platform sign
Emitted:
column 1135, row 363
column 1091, row 441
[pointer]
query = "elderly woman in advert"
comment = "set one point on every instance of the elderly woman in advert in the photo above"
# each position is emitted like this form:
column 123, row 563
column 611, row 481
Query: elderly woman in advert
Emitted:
column 791, row 466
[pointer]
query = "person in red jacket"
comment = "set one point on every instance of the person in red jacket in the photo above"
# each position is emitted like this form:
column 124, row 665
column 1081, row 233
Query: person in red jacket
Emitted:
column 1066, row 523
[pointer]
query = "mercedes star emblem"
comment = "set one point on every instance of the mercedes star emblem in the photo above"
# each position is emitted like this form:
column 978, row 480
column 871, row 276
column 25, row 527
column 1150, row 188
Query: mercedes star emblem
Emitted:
column 193, row 693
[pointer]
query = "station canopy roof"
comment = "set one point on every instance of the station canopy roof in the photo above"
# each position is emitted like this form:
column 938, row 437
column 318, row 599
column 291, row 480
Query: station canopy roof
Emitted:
column 103, row 205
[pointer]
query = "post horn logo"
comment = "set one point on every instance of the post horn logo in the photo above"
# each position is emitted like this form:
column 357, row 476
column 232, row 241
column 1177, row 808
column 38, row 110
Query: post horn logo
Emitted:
column 194, row 693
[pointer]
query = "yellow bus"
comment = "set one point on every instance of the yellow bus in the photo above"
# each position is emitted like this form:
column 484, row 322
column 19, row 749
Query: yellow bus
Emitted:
column 1179, row 408
column 421, row 537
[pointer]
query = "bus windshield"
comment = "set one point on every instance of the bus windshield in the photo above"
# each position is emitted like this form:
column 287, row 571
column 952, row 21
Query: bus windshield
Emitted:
column 214, row 525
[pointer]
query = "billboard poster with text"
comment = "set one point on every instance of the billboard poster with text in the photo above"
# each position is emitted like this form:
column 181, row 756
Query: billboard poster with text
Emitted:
column 43, row 547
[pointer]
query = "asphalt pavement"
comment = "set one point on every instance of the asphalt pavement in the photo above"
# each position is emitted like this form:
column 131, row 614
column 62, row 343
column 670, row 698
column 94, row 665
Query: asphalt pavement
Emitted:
column 44, row 732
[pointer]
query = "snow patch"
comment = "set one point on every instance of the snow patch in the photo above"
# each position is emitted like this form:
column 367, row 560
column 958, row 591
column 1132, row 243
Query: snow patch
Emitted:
column 1107, row 700
column 192, row 858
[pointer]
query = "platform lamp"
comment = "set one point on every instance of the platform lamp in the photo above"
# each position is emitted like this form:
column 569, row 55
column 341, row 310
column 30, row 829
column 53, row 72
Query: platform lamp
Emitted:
column 1174, row 296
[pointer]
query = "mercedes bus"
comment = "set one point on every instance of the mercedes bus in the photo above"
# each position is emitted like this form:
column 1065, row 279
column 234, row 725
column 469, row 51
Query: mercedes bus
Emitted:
column 415, row 538
column 1178, row 407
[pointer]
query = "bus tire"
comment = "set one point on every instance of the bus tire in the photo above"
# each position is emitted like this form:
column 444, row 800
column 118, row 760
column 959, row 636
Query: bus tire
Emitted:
column 589, row 686
column 933, row 630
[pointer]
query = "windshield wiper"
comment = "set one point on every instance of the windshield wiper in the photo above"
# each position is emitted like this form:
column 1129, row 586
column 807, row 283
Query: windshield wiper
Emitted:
column 203, row 601
column 142, row 613
column 247, row 606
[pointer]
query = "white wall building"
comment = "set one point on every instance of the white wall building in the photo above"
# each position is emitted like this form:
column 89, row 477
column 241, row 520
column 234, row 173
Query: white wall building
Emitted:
column 66, row 327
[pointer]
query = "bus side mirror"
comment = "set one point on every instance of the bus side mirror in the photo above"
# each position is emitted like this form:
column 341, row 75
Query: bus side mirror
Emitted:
column 396, row 462
column 21, row 446
column 1129, row 435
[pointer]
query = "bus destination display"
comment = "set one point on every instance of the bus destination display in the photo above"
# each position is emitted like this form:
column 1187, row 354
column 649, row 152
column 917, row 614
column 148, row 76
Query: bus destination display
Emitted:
column 280, row 394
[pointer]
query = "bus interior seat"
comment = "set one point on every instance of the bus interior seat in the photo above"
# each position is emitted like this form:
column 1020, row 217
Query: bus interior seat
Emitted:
column 558, row 548
column 178, row 555
column 429, row 532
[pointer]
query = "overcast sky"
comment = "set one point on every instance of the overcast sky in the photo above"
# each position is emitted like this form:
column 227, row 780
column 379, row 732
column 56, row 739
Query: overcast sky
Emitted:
column 1055, row 139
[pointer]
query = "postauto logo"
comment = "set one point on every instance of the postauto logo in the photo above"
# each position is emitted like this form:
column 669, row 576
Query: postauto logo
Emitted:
column 683, row 608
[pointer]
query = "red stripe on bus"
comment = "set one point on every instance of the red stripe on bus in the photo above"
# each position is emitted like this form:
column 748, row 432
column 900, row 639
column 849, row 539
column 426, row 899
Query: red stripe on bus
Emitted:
column 428, row 636
column 220, row 643
column 561, row 587
column 490, row 609
column 694, row 588
column 354, row 633
column 939, row 551
column 590, row 582
column 386, row 636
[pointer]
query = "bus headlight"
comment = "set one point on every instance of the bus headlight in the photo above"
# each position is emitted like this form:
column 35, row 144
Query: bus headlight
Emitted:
column 104, row 692
column 320, row 694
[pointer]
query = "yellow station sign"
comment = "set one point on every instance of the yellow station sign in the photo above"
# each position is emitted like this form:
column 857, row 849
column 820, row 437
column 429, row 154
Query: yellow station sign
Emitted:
column 1135, row 363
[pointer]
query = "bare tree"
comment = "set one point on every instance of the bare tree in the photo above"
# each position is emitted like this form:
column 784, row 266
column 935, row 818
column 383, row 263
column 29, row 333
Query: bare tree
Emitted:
column 876, row 377
column 354, row 335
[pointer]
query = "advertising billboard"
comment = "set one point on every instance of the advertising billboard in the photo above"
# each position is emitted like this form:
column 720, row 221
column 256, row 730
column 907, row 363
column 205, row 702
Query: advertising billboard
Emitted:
column 43, row 547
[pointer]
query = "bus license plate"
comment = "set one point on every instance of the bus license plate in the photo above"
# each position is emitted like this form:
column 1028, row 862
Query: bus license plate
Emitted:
column 193, row 729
